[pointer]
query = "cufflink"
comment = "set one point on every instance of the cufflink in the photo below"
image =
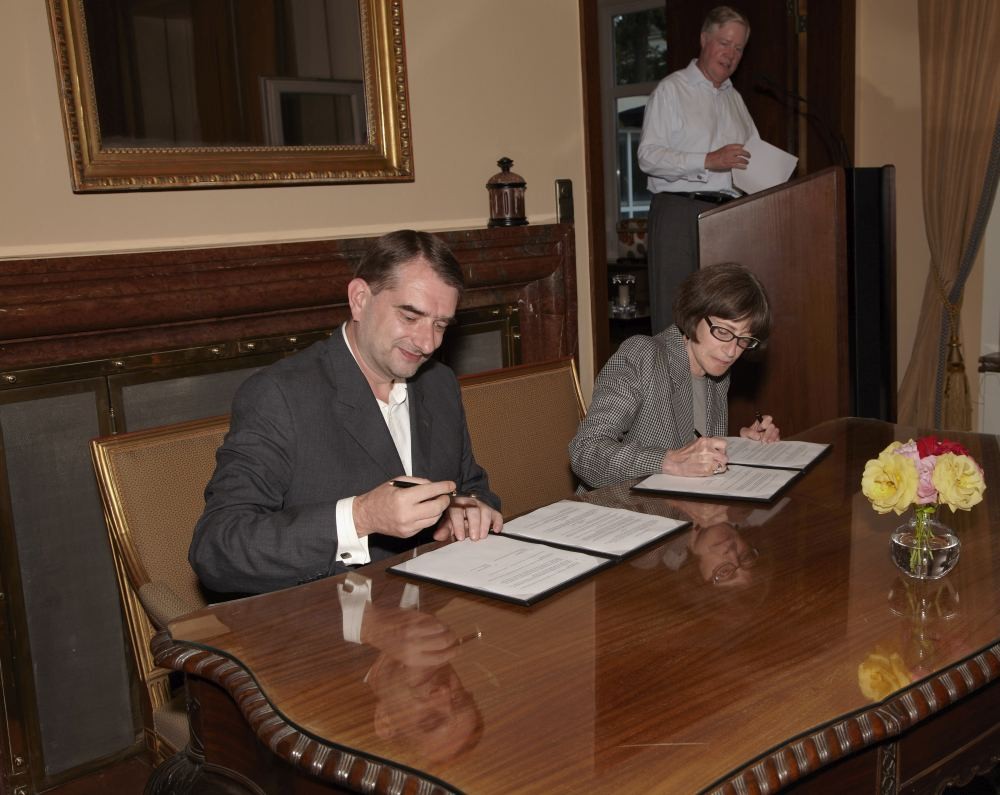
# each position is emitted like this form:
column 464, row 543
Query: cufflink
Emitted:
column 345, row 555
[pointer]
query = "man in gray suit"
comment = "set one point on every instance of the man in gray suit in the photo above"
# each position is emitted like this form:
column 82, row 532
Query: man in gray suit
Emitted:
column 307, row 481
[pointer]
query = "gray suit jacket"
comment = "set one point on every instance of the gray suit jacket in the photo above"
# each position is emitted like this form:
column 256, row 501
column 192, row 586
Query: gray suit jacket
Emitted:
column 306, row 432
column 642, row 407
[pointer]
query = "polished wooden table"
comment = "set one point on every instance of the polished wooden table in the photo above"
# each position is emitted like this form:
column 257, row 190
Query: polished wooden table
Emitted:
column 647, row 677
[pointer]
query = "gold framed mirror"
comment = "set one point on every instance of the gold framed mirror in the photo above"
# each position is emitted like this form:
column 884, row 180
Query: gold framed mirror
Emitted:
column 160, row 94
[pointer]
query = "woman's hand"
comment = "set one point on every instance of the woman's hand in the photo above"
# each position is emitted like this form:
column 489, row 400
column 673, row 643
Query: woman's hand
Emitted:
column 704, row 456
column 763, row 430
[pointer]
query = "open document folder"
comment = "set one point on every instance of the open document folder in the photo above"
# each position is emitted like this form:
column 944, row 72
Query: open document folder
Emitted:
column 768, row 166
column 541, row 552
column 757, row 472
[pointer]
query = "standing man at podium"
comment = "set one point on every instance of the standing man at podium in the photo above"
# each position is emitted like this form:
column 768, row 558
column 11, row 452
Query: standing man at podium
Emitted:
column 693, row 134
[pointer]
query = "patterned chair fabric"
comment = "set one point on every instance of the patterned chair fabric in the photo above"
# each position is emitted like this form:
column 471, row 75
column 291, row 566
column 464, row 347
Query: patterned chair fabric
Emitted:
column 521, row 420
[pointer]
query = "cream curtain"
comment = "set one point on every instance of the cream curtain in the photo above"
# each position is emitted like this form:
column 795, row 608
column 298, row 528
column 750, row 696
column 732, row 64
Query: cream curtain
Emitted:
column 960, row 92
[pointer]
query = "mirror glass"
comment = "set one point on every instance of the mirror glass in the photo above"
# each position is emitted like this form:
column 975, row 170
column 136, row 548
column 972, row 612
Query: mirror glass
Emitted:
column 196, row 93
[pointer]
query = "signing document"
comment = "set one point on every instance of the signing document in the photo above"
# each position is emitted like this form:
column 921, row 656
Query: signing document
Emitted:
column 737, row 482
column 507, row 568
column 779, row 455
column 614, row 532
column 568, row 541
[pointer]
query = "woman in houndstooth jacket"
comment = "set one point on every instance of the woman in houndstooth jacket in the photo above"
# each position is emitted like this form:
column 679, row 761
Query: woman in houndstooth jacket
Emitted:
column 659, row 404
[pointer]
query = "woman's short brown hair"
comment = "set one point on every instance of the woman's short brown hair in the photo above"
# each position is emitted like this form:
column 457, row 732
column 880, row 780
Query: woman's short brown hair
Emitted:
column 727, row 291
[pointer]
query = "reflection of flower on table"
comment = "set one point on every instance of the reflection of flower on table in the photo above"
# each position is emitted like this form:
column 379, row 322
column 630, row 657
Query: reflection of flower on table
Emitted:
column 929, row 634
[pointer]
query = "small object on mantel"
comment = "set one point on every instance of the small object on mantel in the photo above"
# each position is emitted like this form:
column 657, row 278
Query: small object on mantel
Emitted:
column 506, row 191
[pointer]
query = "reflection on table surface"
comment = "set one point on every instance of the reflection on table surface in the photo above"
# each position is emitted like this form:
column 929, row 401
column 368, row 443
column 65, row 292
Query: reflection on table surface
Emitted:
column 681, row 664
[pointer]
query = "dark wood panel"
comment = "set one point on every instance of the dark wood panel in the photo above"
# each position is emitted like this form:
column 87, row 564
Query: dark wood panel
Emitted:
column 68, row 309
column 793, row 238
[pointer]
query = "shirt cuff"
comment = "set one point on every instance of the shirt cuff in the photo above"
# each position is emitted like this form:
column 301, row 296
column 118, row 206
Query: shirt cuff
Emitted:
column 351, row 550
column 696, row 167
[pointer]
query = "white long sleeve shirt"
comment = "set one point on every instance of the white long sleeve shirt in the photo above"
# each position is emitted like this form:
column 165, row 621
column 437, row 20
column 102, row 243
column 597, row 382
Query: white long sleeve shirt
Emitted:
column 686, row 118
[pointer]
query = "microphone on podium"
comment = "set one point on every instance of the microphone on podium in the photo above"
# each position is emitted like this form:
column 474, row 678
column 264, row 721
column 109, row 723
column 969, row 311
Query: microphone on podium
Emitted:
column 834, row 142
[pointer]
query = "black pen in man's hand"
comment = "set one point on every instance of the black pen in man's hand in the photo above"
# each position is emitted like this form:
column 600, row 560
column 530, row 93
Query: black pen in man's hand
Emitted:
column 406, row 484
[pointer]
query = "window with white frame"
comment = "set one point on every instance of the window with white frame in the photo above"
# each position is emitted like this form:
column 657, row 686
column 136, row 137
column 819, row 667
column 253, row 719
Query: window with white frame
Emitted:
column 633, row 60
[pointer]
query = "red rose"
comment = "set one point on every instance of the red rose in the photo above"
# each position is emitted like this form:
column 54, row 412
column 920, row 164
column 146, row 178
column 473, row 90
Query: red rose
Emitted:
column 945, row 446
column 931, row 445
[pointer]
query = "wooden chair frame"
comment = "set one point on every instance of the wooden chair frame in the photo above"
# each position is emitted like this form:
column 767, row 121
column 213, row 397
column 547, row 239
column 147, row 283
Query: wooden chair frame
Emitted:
column 149, row 602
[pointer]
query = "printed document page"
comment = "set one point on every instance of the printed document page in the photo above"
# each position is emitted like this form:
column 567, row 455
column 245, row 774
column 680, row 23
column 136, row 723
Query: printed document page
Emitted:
column 782, row 455
column 768, row 166
column 520, row 571
column 593, row 528
column 739, row 482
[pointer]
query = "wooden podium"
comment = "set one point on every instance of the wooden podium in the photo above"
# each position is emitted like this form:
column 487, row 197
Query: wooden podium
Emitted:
column 796, row 238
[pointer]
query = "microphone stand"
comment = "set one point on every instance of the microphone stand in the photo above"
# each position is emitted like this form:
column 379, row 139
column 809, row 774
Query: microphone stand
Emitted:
column 835, row 144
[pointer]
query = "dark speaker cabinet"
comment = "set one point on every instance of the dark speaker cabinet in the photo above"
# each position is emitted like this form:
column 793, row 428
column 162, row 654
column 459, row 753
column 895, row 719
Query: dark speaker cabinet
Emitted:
column 871, row 261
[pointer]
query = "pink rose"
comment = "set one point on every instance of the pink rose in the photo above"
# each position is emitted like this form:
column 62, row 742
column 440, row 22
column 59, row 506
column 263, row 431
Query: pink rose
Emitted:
column 926, row 491
column 909, row 450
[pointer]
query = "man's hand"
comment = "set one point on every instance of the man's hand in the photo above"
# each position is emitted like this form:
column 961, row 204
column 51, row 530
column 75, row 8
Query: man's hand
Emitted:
column 467, row 517
column 401, row 512
column 727, row 158
column 413, row 638
column 704, row 456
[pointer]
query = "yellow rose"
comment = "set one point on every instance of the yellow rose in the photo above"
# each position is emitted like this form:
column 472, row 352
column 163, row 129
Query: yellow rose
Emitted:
column 890, row 481
column 958, row 481
column 882, row 674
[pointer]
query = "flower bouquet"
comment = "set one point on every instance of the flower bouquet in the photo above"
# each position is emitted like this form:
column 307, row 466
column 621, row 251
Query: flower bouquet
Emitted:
column 923, row 474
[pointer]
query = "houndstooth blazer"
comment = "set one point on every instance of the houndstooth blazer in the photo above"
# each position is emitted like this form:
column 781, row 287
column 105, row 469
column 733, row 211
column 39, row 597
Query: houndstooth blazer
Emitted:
column 642, row 407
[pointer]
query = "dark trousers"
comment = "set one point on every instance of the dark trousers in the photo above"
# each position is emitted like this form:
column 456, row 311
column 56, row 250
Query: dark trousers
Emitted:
column 672, row 246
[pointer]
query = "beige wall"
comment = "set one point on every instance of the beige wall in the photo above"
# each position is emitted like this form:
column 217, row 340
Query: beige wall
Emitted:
column 486, row 79
column 888, row 131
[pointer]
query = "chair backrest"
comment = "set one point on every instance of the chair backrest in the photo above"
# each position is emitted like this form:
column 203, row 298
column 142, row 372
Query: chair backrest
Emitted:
column 152, row 485
column 521, row 420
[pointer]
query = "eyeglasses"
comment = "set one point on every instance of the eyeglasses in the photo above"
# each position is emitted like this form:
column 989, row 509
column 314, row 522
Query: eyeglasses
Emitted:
column 726, row 571
column 722, row 334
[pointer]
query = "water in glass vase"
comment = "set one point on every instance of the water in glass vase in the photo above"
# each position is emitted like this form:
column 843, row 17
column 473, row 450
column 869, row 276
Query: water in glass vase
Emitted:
column 925, row 559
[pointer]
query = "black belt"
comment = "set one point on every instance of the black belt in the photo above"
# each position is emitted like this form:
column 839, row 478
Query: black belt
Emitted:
column 704, row 196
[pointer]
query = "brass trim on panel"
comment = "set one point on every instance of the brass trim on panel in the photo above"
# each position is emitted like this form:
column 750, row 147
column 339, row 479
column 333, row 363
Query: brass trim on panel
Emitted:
column 222, row 351
column 503, row 318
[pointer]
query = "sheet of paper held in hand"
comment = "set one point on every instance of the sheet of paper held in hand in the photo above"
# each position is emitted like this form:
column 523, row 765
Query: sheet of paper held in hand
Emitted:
column 519, row 571
column 592, row 528
column 781, row 455
column 768, row 166
column 737, row 482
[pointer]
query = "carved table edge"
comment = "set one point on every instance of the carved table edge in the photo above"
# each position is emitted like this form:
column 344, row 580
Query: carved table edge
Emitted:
column 782, row 766
column 319, row 759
